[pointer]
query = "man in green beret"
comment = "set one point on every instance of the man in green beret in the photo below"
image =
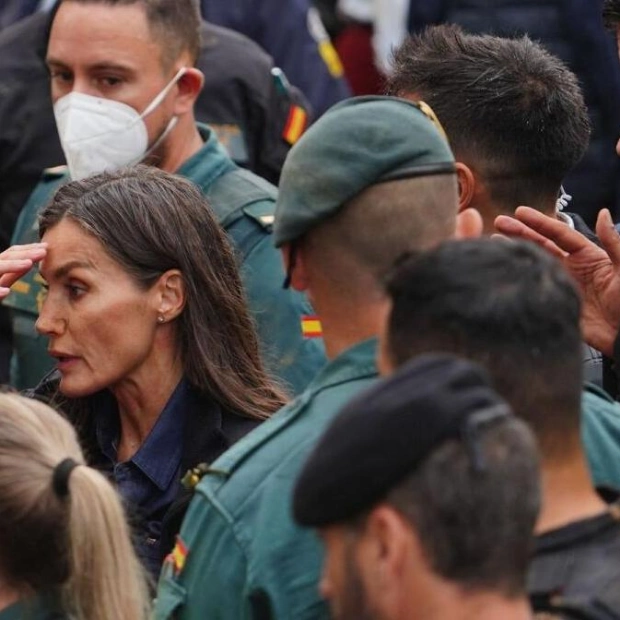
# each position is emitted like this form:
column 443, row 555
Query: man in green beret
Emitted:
column 373, row 179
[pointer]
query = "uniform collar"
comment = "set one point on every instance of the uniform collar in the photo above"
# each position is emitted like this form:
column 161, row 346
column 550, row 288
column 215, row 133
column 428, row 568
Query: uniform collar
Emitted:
column 354, row 364
column 209, row 163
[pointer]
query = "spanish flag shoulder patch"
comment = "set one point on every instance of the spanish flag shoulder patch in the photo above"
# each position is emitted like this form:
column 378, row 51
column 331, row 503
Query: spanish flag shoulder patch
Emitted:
column 178, row 557
column 311, row 327
column 295, row 125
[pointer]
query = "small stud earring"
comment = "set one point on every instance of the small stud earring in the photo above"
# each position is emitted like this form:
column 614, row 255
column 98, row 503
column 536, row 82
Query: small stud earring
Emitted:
column 161, row 319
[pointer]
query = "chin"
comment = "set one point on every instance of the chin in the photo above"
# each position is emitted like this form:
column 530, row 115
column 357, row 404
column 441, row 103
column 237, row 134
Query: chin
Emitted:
column 77, row 389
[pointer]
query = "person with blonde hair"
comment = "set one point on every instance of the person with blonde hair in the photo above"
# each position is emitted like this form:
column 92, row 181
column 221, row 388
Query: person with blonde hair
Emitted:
column 65, row 549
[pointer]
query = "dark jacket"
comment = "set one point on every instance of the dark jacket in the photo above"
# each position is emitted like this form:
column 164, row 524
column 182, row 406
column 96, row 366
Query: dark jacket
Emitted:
column 293, row 34
column 573, row 31
column 209, row 431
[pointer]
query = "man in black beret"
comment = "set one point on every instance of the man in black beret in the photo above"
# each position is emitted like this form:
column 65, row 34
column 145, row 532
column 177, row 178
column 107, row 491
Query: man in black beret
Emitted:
column 427, row 509
column 510, row 307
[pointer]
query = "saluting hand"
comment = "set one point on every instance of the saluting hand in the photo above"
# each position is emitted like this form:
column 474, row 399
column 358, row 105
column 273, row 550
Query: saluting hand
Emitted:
column 596, row 270
column 16, row 261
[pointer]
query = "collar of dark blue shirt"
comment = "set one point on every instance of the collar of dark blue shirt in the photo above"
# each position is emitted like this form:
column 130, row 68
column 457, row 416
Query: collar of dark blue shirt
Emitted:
column 159, row 457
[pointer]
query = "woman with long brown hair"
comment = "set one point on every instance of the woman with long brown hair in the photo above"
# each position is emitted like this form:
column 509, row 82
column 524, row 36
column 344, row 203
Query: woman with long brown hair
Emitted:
column 158, row 364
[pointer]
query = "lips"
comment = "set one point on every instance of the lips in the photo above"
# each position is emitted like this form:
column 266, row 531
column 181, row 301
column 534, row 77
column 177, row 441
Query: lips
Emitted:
column 63, row 360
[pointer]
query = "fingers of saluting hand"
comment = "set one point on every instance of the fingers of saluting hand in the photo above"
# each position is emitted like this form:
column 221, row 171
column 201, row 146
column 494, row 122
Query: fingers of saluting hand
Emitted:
column 16, row 261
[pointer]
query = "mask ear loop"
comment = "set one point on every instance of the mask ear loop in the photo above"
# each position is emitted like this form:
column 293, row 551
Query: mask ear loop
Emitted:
column 162, row 95
column 154, row 104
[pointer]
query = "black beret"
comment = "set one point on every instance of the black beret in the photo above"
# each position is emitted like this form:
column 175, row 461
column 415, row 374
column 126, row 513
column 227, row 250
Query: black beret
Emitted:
column 384, row 434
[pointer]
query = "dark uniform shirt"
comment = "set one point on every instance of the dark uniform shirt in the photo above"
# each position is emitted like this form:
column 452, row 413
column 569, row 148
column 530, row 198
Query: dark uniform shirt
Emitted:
column 576, row 569
column 151, row 480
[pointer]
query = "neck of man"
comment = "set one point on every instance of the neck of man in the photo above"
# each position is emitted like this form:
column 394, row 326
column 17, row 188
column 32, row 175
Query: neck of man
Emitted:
column 8, row 595
column 183, row 143
column 347, row 321
column 489, row 209
column 452, row 602
column 568, row 493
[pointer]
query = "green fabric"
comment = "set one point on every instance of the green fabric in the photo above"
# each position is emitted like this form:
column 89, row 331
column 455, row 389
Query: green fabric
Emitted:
column 357, row 143
column 33, row 609
column 600, row 433
column 244, row 205
column 246, row 557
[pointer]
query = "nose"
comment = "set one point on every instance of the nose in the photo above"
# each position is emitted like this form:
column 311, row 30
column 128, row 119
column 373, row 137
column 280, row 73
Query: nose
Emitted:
column 50, row 323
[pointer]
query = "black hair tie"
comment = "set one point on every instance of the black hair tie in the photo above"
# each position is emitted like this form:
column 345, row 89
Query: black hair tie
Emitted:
column 60, row 478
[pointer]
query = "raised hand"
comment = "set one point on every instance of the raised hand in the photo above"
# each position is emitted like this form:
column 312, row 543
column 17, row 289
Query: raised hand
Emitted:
column 596, row 269
column 16, row 261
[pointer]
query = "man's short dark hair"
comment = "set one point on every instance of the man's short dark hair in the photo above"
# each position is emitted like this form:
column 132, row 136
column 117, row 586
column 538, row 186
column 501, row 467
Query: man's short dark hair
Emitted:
column 611, row 13
column 507, row 305
column 476, row 526
column 509, row 108
column 174, row 23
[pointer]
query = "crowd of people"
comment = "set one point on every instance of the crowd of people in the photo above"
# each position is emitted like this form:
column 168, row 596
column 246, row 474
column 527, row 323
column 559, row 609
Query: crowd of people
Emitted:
column 276, row 352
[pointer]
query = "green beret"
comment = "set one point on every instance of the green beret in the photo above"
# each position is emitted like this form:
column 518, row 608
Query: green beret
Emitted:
column 357, row 143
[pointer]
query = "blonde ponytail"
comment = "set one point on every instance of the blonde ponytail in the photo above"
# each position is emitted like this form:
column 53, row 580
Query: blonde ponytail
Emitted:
column 76, row 544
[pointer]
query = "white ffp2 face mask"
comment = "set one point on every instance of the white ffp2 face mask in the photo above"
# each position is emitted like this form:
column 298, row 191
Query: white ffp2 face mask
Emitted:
column 99, row 135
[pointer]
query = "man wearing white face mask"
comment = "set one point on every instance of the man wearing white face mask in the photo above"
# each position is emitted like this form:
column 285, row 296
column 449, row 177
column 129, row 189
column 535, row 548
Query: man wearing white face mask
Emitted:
column 124, row 87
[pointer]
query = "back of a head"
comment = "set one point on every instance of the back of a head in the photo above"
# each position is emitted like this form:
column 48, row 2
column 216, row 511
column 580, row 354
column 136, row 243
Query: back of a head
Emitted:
column 476, row 526
column 507, row 305
column 511, row 110
column 175, row 24
column 71, row 542
column 372, row 178
column 358, row 246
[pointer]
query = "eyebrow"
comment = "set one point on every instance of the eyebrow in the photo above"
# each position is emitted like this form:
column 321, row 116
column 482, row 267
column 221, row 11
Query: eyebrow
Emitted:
column 63, row 270
column 101, row 66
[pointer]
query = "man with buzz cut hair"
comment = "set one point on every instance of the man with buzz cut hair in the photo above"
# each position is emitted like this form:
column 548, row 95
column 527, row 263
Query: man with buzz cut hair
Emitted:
column 426, row 509
column 372, row 178
column 514, row 310
column 124, row 86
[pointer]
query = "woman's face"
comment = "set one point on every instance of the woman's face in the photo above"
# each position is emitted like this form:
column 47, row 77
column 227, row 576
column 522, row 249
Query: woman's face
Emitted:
column 101, row 325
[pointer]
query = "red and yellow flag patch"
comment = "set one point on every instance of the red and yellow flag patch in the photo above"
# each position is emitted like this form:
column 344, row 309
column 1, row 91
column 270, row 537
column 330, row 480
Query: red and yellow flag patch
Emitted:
column 311, row 327
column 178, row 557
column 295, row 125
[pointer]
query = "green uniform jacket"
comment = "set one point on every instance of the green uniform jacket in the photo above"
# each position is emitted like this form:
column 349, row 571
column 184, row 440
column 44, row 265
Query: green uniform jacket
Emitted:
column 600, row 433
column 244, row 205
column 33, row 609
column 245, row 557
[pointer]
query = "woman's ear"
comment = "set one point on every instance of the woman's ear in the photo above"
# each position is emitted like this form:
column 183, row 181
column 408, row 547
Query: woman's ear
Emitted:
column 171, row 295
column 467, row 185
